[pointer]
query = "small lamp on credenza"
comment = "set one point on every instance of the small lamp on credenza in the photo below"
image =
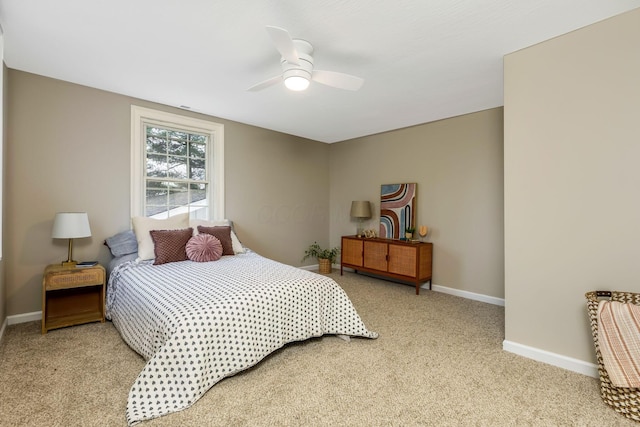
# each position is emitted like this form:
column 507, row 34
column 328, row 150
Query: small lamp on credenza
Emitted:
column 70, row 225
column 360, row 210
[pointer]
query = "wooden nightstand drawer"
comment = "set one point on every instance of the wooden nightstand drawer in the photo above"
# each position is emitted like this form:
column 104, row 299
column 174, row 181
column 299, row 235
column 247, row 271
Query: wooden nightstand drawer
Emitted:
column 74, row 278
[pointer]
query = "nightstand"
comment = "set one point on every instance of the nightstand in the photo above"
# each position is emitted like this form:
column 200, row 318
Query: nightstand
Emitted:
column 72, row 296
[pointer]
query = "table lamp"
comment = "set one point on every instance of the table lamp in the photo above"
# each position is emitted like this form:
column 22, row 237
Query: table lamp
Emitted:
column 360, row 210
column 70, row 225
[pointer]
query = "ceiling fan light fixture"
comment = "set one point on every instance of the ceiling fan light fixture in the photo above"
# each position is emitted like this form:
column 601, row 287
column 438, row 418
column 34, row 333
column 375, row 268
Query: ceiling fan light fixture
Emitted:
column 296, row 83
column 296, row 60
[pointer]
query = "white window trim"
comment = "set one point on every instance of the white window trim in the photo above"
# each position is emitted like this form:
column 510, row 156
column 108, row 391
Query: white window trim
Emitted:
column 2, row 95
column 140, row 116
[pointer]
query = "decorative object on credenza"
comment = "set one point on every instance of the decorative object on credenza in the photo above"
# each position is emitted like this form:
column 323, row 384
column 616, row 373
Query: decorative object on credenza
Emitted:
column 325, row 257
column 397, row 209
column 70, row 225
column 360, row 210
column 370, row 233
column 408, row 232
column 423, row 231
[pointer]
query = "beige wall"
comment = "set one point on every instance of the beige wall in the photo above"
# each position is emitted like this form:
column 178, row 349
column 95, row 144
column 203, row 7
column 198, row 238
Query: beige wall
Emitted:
column 68, row 149
column 5, row 109
column 458, row 166
column 572, row 204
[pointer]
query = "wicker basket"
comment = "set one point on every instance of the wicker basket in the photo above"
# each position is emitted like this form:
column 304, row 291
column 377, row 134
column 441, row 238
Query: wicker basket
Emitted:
column 623, row 400
column 324, row 266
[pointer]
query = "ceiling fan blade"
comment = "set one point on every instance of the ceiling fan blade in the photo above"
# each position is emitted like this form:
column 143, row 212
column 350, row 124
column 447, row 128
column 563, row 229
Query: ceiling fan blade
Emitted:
column 338, row 80
column 265, row 84
column 284, row 43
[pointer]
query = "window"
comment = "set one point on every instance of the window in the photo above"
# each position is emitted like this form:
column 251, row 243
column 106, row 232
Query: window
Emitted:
column 177, row 165
column 176, row 175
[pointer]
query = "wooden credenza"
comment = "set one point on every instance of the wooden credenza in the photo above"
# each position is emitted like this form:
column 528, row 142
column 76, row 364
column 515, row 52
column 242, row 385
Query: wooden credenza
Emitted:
column 396, row 259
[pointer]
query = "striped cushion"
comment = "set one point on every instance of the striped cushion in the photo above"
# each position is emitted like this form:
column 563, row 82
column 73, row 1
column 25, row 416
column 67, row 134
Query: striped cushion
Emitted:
column 170, row 245
column 619, row 342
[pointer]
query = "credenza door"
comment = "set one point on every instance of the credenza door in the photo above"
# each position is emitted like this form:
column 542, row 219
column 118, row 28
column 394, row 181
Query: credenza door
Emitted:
column 351, row 251
column 402, row 260
column 375, row 255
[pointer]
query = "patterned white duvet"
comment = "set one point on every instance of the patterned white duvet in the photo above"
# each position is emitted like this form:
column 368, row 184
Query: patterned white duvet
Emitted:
column 197, row 323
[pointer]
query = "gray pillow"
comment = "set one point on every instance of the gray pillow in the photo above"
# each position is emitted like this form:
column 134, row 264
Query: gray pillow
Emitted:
column 123, row 243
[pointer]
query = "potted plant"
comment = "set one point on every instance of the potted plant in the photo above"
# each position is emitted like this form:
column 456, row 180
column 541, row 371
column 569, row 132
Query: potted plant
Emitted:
column 408, row 232
column 325, row 257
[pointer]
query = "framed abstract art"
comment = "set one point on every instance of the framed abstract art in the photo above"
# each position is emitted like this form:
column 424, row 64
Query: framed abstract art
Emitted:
column 397, row 209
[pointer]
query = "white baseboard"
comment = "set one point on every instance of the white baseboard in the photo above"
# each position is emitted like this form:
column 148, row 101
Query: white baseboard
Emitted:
column 316, row 267
column 466, row 294
column 455, row 292
column 24, row 317
column 569, row 363
column 19, row 318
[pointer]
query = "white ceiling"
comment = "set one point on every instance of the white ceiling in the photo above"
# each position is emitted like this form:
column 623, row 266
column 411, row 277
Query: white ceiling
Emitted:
column 422, row 60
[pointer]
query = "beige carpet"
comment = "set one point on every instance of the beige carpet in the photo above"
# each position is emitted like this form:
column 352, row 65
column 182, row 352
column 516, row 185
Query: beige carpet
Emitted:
column 438, row 362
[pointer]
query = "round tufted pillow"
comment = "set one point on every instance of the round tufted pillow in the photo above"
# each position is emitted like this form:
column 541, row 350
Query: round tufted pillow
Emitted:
column 203, row 248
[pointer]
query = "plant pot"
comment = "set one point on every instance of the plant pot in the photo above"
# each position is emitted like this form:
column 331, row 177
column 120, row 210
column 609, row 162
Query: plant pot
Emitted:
column 408, row 236
column 324, row 266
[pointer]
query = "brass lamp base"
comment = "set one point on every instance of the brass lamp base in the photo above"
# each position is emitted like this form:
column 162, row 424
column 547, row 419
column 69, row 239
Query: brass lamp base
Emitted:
column 69, row 263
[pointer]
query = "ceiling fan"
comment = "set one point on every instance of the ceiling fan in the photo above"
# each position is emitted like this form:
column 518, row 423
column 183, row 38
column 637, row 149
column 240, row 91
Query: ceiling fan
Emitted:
column 297, row 66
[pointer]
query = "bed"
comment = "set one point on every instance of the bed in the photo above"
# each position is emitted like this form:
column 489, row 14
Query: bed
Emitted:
column 196, row 323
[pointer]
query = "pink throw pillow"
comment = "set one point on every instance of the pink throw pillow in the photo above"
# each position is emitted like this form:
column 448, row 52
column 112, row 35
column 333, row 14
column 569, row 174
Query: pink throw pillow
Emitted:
column 204, row 248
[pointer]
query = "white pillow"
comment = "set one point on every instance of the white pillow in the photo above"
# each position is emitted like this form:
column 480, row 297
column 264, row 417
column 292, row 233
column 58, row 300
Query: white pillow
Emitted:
column 235, row 242
column 143, row 225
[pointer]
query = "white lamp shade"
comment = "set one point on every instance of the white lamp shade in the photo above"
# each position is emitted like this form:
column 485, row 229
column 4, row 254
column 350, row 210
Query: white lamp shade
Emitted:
column 360, row 209
column 71, row 225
